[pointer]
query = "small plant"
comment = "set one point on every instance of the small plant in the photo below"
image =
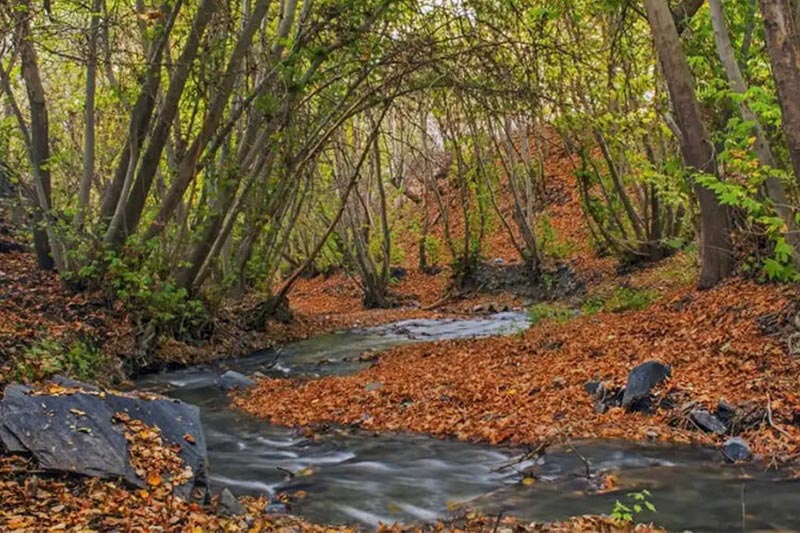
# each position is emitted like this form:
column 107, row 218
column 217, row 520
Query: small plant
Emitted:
column 433, row 250
column 39, row 360
column 629, row 299
column 48, row 356
column 549, row 311
column 619, row 300
column 548, row 240
column 637, row 503
column 83, row 361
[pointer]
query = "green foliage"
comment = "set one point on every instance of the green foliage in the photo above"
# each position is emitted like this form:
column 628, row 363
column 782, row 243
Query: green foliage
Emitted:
column 140, row 288
column 47, row 356
column 776, row 262
column 638, row 502
column 619, row 300
column 433, row 249
column 549, row 311
column 548, row 241
column 331, row 255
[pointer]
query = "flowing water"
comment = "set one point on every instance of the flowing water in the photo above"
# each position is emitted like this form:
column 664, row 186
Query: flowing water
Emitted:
column 355, row 477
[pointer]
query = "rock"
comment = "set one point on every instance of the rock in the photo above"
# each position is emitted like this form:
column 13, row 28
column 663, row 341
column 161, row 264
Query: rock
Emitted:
column 600, row 407
column 725, row 412
column 398, row 273
column 77, row 432
column 228, row 504
column 594, row 388
column 232, row 380
column 708, row 422
column 641, row 381
column 736, row 449
column 71, row 383
column 276, row 508
column 368, row 356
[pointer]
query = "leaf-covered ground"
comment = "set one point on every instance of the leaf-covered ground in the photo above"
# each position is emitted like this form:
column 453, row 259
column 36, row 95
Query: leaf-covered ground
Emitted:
column 530, row 388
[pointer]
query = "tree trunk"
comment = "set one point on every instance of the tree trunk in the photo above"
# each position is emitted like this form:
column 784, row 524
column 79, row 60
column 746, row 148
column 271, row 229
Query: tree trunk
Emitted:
column 138, row 124
column 781, row 19
column 89, row 134
column 696, row 148
column 129, row 208
column 774, row 187
column 187, row 167
column 48, row 252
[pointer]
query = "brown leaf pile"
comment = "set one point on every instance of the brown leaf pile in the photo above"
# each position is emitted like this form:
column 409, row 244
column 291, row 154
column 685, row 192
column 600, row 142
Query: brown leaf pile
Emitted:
column 159, row 465
column 529, row 388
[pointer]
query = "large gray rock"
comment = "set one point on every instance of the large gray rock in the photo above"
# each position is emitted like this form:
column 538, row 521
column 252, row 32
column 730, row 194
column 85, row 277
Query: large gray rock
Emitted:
column 232, row 380
column 76, row 432
column 708, row 422
column 641, row 381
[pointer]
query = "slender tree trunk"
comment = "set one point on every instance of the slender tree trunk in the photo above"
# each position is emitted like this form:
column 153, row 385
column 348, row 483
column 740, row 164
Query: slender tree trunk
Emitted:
column 138, row 124
column 89, row 126
column 129, row 208
column 48, row 252
column 187, row 167
column 774, row 187
column 715, row 244
column 781, row 20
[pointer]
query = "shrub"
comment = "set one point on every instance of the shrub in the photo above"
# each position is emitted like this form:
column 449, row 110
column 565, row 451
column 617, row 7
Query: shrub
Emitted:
column 619, row 300
column 48, row 356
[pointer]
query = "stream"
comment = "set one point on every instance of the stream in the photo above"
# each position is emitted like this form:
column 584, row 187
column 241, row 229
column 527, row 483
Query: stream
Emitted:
column 357, row 477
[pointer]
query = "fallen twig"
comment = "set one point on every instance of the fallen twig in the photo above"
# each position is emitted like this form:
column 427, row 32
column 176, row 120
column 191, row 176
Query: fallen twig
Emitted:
column 538, row 450
column 586, row 462
column 772, row 423
column 444, row 299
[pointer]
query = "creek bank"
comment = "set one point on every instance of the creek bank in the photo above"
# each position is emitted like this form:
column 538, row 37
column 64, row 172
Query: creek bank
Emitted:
column 345, row 476
column 639, row 394
column 81, row 429
column 528, row 388
column 341, row 475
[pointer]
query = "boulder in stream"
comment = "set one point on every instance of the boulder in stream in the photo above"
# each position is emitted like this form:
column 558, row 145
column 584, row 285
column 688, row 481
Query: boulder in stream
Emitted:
column 75, row 429
column 641, row 381
column 736, row 449
column 232, row 380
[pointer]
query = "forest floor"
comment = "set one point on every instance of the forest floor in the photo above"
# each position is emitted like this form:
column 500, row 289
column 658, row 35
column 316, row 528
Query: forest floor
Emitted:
column 526, row 389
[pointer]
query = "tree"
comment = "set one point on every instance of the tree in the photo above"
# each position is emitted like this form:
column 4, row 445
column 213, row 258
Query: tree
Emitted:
column 775, row 190
column 782, row 32
column 698, row 153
